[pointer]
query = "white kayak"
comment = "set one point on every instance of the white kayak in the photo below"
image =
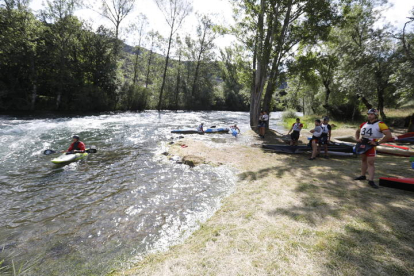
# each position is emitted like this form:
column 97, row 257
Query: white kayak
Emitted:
column 65, row 158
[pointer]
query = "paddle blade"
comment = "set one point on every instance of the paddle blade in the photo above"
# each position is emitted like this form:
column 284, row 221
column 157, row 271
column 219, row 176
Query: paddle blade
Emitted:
column 91, row 150
column 48, row 152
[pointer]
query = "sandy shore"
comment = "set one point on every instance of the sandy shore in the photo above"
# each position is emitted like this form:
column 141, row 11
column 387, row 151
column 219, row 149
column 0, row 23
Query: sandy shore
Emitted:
column 292, row 216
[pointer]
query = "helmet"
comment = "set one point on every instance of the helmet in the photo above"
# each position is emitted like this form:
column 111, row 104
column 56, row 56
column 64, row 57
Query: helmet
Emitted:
column 373, row 111
column 76, row 137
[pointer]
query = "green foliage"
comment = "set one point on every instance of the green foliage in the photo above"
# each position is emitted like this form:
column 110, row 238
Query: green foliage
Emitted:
column 289, row 114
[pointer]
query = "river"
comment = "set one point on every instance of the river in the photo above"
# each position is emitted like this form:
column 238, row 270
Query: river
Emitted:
column 126, row 200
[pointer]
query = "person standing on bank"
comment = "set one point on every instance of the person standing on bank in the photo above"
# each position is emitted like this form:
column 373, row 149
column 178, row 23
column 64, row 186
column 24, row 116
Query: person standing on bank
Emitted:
column 317, row 132
column 326, row 135
column 369, row 135
column 263, row 120
column 294, row 137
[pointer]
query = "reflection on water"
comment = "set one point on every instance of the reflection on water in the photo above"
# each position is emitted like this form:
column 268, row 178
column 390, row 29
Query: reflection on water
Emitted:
column 121, row 202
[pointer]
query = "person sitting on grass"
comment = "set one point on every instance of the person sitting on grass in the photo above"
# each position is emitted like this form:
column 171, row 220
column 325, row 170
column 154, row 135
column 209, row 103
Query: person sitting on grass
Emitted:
column 326, row 136
column 317, row 132
column 296, row 127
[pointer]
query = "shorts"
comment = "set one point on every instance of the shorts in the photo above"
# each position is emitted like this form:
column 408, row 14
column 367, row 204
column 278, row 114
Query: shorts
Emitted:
column 295, row 135
column 372, row 152
column 262, row 124
column 323, row 140
column 314, row 138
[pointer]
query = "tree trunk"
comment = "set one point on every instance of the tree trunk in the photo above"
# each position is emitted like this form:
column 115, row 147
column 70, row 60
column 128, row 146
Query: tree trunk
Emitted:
column 198, row 64
column 177, row 88
column 34, row 83
column 411, row 123
column 276, row 60
column 380, row 92
column 149, row 67
column 326, row 84
column 164, row 76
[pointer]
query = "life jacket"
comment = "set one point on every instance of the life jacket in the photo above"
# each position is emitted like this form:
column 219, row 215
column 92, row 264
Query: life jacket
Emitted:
column 373, row 131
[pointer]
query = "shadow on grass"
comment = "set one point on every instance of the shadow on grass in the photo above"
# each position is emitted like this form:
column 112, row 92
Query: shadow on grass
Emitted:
column 375, row 233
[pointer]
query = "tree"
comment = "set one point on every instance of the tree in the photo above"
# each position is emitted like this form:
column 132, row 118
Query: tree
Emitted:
column 274, row 28
column 116, row 11
column 138, row 28
column 60, row 13
column 174, row 11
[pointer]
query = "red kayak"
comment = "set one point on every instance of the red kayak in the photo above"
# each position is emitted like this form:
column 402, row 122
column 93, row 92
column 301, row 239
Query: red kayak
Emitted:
column 399, row 137
column 397, row 183
column 394, row 146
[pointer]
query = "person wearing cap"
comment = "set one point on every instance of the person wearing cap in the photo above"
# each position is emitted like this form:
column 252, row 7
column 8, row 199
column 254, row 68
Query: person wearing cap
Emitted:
column 77, row 145
column 294, row 137
column 200, row 127
column 372, row 133
column 325, row 136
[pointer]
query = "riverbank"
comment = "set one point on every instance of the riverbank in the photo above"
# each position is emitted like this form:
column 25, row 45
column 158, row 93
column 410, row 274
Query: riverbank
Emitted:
column 292, row 216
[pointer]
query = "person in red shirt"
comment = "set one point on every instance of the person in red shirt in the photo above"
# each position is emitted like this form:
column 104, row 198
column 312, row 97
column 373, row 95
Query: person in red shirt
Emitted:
column 77, row 145
column 371, row 134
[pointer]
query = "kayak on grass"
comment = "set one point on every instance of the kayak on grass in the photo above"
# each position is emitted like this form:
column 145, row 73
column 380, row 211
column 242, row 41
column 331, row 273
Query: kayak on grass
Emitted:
column 397, row 183
column 334, row 148
column 69, row 157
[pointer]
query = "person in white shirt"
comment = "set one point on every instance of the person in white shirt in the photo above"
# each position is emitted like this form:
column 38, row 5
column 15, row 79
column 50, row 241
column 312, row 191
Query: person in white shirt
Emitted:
column 317, row 132
column 263, row 120
column 296, row 127
column 200, row 128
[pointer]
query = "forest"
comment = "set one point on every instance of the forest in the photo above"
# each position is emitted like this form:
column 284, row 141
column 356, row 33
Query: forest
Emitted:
column 320, row 57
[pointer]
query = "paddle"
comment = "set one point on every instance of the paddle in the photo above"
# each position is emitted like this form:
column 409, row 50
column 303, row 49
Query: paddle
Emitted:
column 50, row 151
column 213, row 127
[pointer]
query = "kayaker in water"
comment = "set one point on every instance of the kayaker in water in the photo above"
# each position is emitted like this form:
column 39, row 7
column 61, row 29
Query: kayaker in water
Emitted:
column 200, row 127
column 294, row 137
column 235, row 127
column 77, row 145
column 326, row 135
column 317, row 132
column 369, row 134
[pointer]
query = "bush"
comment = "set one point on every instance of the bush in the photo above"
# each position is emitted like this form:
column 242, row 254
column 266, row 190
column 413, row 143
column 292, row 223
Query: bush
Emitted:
column 289, row 114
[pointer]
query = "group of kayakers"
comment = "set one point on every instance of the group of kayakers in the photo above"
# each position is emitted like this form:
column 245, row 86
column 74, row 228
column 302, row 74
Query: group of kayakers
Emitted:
column 370, row 134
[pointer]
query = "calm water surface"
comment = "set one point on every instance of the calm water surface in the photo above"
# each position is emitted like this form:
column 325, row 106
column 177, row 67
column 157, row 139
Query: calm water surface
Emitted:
column 122, row 202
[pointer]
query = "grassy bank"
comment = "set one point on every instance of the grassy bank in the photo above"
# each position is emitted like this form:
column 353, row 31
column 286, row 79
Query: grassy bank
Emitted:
column 292, row 216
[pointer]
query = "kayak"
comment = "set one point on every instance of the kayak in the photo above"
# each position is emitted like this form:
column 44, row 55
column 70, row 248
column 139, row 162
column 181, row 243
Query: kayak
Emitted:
column 384, row 148
column 334, row 149
column 185, row 131
column 397, row 183
column 217, row 130
column 66, row 158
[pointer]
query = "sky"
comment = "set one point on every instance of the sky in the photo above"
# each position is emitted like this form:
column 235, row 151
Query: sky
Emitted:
column 221, row 10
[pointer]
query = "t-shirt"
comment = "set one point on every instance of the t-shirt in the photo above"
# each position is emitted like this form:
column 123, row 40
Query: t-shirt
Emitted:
column 265, row 118
column 318, row 131
column 373, row 131
column 297, row 126
column 200, row 128
column 326, row 128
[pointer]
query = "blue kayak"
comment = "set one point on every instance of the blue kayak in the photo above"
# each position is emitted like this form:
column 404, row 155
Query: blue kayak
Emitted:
column 185, row 131
column 217, row 130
